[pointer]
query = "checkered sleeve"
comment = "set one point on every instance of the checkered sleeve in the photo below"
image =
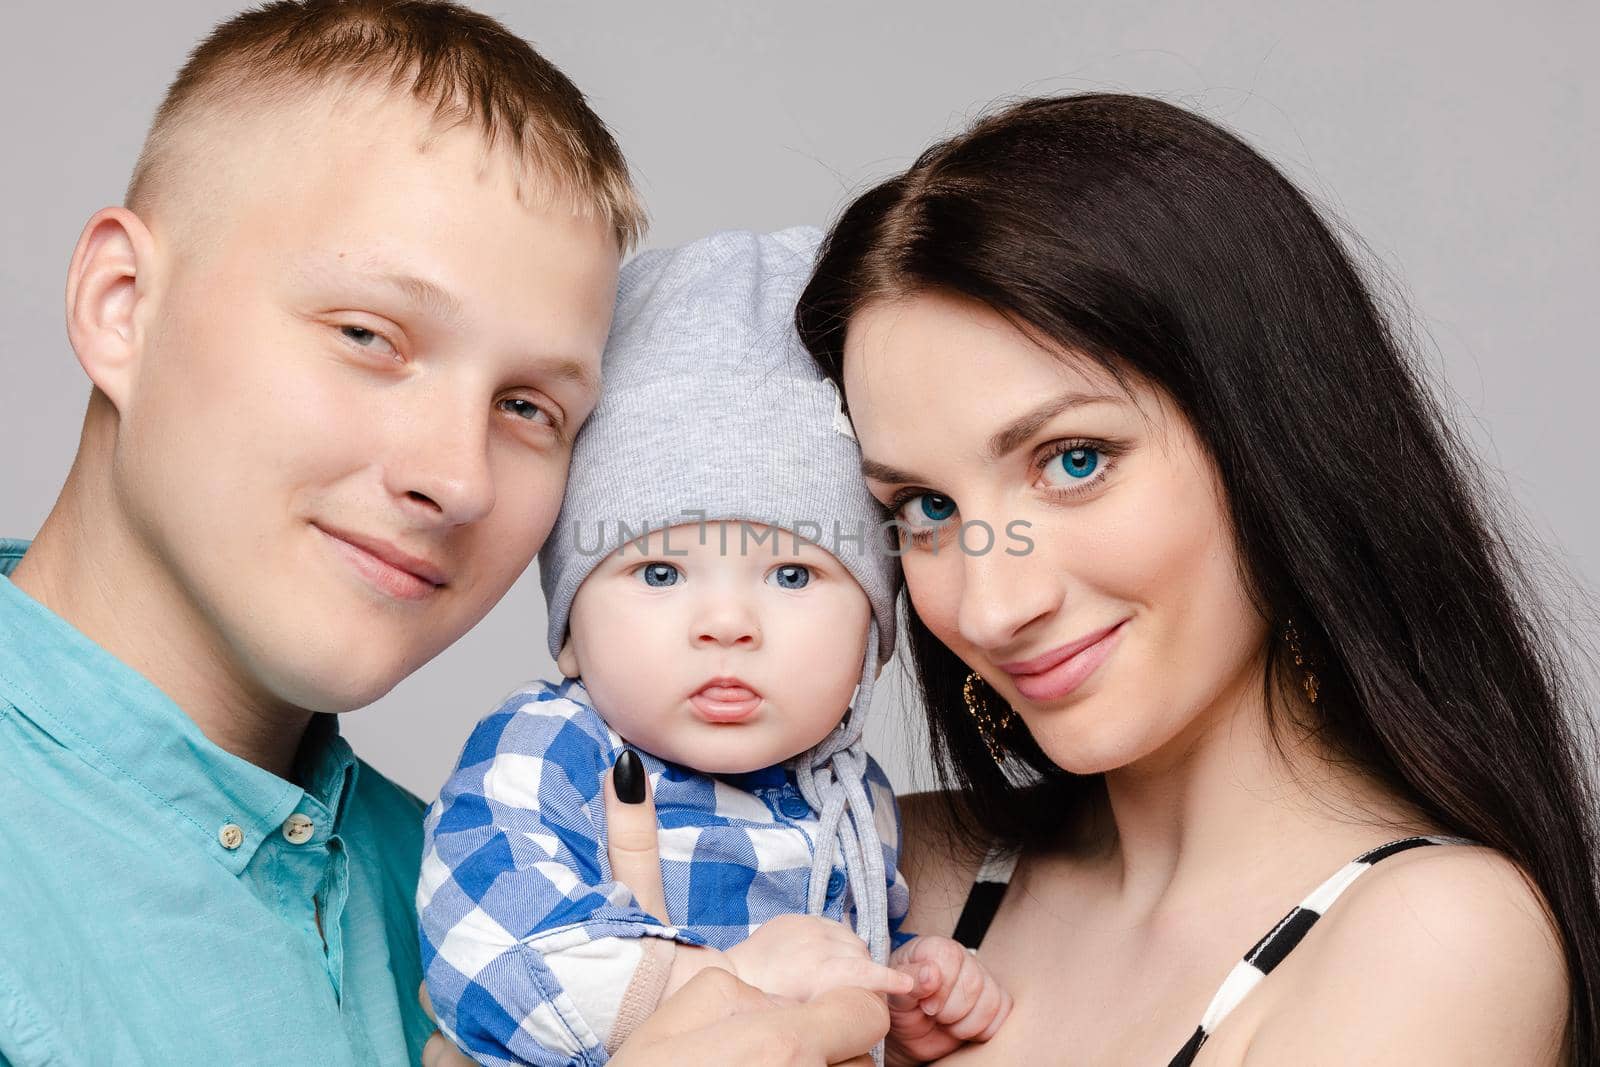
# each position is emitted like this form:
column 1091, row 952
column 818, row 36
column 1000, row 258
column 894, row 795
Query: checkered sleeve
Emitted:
column 886, row 813
column 528, row 947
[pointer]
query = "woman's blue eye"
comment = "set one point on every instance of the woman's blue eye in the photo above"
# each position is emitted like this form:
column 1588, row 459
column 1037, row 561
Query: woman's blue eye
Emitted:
column 1076, row 463
column 926, row 509
column 360, row 335
column 660, row 575
column 793, row 576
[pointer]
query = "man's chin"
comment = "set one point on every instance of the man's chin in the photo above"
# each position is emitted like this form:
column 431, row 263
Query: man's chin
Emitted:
column 339, row 684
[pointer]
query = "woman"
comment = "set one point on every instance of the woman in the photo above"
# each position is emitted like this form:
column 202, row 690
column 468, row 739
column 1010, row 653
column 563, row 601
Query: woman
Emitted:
column 1202, row 608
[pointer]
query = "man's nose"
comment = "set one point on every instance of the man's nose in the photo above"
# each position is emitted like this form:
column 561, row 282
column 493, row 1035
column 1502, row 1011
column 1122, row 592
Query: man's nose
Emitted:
column 439, row 463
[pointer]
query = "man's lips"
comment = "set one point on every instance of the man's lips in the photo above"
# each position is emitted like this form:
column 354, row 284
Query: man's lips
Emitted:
column 390, row 568
column 725, row 700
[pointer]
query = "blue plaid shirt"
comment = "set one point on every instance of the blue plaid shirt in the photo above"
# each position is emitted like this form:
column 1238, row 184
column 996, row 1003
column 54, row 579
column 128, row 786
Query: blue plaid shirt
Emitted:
column 528, row 945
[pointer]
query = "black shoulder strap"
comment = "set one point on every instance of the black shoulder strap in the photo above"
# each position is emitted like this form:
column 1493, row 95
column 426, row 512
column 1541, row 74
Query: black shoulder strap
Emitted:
column 983, row 899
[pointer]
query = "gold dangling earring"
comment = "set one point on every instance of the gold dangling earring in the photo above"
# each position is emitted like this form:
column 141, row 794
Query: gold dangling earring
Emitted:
column 1308, row 677
column 989, row 726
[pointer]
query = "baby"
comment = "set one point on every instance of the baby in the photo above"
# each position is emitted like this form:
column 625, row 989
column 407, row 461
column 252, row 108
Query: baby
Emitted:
column 720, row 600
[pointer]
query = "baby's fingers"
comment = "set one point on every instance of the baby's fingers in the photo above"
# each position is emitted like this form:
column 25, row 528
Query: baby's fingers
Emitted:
column 985, row 1015
column 1000, row 1016
column 960, row 993
column 925, row 979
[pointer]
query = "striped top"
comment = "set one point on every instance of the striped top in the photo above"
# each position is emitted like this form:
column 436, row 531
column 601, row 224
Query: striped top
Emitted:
column 989, row 888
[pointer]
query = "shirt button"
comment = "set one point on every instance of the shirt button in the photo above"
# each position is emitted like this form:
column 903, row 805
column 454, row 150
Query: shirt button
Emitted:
column 835, row 884
column 794, row 807
column 231, row 836
column 297, row 829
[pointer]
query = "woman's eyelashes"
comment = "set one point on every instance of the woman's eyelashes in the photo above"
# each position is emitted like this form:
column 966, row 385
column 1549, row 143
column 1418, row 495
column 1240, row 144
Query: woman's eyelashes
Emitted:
column 1076, row 466
column 1065, row 469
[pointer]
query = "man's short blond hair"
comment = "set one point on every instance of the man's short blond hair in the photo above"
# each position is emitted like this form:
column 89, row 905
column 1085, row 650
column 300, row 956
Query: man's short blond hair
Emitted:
column 465, row 66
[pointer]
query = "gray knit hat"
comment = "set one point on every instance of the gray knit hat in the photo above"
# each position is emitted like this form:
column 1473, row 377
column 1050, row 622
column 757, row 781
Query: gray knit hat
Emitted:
column 712, row 410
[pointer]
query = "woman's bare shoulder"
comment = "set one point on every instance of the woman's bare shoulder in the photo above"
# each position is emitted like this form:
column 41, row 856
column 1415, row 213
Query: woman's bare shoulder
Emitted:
column 1436, row 955
column 938, row 860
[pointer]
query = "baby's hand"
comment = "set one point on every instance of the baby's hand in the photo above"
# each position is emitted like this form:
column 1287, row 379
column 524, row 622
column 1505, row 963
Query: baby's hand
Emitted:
column 804, row 956
column 956, row 1000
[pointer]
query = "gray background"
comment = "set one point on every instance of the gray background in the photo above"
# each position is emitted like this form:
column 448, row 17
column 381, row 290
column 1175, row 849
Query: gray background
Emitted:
column 1455, row 138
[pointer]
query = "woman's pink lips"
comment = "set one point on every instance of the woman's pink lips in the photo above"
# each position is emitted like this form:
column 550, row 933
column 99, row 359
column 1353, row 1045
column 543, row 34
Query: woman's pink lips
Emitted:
column 725, row 703
column 1065, row 668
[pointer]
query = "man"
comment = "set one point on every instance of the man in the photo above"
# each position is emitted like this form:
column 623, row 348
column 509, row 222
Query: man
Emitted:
column 340, row 339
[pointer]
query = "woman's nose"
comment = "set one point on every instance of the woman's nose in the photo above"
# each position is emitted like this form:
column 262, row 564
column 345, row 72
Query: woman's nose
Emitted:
column 1002, row 595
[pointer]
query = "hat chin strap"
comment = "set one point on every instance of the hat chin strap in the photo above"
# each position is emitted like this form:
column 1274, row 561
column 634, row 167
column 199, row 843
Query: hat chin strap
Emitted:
column 832, row 778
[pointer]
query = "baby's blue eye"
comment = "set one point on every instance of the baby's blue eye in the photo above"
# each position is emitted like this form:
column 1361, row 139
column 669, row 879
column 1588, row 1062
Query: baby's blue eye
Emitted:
column 926, row 509
column 660, row 575
column 793, row 576
column 1077, row 464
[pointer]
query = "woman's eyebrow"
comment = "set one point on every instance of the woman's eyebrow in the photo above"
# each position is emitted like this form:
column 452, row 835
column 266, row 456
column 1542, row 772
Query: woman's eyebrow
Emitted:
column 1004, row 440
column 1017, row 432
column 882, row 472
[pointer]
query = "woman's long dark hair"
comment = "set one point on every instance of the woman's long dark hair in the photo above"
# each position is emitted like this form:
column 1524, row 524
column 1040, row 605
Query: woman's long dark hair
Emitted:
column 1160, row 245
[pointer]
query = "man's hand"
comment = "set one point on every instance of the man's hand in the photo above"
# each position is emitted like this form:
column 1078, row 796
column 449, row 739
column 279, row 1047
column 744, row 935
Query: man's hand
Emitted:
column 715, row 1020
column 956, row 1000
column 439, row 1052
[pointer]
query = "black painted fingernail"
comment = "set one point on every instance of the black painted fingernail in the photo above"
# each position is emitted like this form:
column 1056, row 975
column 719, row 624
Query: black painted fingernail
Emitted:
column 628, row 775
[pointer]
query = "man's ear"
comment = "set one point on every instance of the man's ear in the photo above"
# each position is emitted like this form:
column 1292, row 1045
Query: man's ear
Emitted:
column 111, row 271
column 567, row 660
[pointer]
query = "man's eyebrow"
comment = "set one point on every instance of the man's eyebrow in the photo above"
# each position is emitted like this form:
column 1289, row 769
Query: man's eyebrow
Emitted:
column 431, row 296
column 1003, row 441
column 417, row 290
column 442, row 303
column 574, row 371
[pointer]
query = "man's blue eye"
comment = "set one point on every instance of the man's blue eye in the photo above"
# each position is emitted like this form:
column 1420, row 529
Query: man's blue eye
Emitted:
column 525, row 409
column 660, row 575
column 793, row 576
column 1076, row 464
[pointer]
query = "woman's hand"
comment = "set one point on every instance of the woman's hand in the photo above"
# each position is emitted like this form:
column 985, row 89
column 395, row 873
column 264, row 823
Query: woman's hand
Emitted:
column 715, row 1018
column 631, row 834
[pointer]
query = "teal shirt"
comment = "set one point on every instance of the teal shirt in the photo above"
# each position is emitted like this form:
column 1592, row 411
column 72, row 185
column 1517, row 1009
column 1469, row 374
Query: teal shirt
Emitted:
column 130, row 932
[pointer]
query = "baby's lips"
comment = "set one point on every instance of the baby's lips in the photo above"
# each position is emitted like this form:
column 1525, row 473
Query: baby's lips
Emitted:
column 728, row 692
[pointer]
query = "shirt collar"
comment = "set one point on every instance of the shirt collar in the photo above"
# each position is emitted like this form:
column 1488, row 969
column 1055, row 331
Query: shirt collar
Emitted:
column 119, row 723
